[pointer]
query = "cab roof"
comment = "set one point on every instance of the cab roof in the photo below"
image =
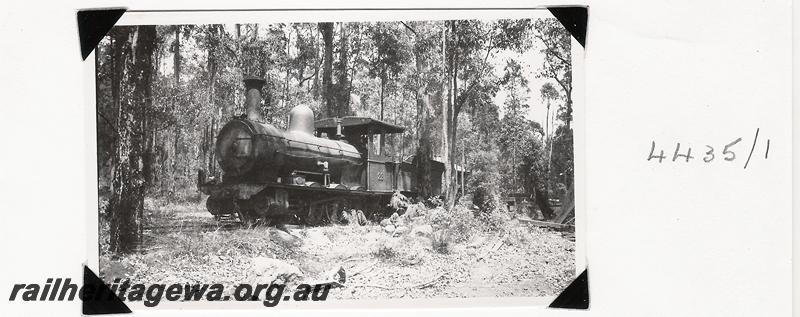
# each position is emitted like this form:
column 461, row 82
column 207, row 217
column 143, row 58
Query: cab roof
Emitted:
column 356, row 125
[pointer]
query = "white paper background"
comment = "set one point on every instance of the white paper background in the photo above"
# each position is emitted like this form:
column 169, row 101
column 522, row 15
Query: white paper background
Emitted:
column 670, row 239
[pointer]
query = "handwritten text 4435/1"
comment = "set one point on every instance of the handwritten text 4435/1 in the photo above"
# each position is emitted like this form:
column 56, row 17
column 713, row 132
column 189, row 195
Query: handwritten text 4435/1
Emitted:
column 710, row 152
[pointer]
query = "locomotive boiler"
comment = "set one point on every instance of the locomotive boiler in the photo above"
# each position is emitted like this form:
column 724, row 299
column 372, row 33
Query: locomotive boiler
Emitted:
column 310, row 172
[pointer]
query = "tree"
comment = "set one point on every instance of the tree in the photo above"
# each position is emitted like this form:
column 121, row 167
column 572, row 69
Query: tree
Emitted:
column 517, row 85
column 134, row 47
column 534, row 172
column 336, row 96
column 470, row 43
column 562, row 156
column 389, row 57
column 213, row 44
column 557, row 64
column 176, row 64
column 549, row 94
column 437, row 78
column 326, row 28
column 513, row 127
column 306, row 56
column 342, row 95
column 423, row 43
column 486, row 182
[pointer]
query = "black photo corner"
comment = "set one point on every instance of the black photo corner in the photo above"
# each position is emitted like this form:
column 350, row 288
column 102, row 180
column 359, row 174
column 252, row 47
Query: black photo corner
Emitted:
column 103, row 300
column 576, row 295
column 94, row 24
column 574, row 20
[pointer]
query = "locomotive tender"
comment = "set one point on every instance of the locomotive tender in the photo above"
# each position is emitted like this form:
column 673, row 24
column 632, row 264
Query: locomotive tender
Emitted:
column 310, row 172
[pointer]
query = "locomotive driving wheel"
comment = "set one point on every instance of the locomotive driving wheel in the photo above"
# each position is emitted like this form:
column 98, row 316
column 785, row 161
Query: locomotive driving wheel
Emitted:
column 314, row 216
column 246, row 217
column 335, row 214
column 325, row 212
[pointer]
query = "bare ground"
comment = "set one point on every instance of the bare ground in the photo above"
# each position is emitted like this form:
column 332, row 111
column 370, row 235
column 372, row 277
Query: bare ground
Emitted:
column 183, row 244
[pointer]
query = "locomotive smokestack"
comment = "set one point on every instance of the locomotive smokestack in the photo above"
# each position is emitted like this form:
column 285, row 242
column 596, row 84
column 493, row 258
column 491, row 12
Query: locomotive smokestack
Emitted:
column 252, row 98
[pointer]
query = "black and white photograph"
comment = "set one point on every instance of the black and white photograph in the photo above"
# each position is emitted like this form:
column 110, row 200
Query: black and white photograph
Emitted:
column 417, row 158
column 385, row 159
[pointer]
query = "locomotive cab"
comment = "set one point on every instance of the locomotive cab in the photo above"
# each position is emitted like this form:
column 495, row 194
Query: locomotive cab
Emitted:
column 386, row 170
column 366, row 134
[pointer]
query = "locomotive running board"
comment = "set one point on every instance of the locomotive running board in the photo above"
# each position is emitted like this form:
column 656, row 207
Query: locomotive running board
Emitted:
column 249, row 189
column 325, row 189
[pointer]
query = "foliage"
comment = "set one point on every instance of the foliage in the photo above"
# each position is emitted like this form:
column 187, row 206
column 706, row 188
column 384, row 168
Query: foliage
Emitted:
column 398, row 202
column 440, row 241
column 470, row 44
column 385, row 251
column 497, row 220
column 459, row 219
column 518, row 236
column 557, row 64
column 440, row 79
column 562, row 168
column 534, row 170
column 486, row 181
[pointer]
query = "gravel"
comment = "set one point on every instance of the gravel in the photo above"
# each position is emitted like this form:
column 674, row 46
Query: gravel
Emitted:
column 515, row 261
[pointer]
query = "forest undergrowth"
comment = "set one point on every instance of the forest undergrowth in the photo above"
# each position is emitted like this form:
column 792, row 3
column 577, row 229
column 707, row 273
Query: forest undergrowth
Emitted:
column 420, row 252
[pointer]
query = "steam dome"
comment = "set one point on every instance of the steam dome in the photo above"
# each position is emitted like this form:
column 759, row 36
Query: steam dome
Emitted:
column 301, row 118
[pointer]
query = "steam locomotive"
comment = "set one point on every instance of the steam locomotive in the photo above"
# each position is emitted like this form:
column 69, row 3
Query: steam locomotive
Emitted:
column 308, row 173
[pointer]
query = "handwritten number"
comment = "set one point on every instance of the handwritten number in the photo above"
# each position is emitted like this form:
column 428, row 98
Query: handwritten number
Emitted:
column 688, row 154
column 726, row 151
column 709, row 155
column 660, row 157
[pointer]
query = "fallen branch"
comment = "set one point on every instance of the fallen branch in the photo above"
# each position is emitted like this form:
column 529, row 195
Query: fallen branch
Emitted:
column 365, row 268
column 337, row 277
column 545, row 223
column 350, row 259
column 494, row 247
column 419, row 285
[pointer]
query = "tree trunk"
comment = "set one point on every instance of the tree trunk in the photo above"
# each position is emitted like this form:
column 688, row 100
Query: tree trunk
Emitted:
column 343, row 97
column 382, row 136
column 129, row 183
column 447, row 118
column 238, row 104
column 326, row 28
column 383, row 86
column 315, row 87
column 542, row 201
column 148, row 126
column 212, row 166
column 569, row 108
column 285, row 98
column 424, row 153
column 354, row 63
column 453, row 156
column 204, row 148
column 177, row 130
column 177, row 57
column 463, row 169
column 549, row 157
column 208, row 160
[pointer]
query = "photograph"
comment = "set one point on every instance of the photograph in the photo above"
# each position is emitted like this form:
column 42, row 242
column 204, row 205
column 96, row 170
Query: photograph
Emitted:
column 418, row 158
column 354, row 159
